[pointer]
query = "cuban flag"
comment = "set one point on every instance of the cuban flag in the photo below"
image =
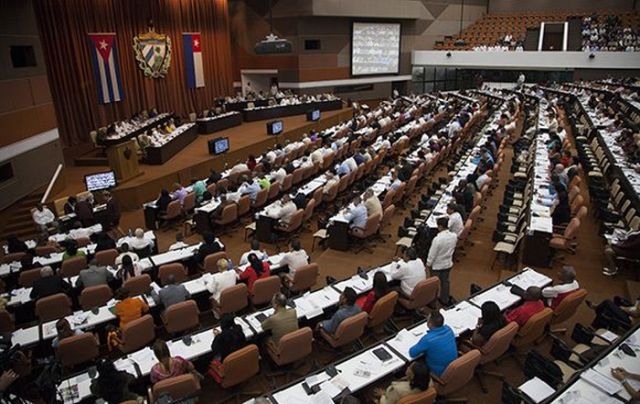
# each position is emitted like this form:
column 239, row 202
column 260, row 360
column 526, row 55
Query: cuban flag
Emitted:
column 193, row 59
column 105, row 67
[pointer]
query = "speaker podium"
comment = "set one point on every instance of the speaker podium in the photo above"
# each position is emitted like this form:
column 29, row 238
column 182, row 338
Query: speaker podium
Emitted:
column 123, row 160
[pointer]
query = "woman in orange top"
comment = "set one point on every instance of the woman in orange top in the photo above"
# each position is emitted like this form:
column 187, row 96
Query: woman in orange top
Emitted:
column 129, row 308
column 254, row 271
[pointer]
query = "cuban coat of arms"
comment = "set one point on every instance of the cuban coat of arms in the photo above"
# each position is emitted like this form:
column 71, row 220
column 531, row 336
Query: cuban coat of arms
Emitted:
column 153, row 53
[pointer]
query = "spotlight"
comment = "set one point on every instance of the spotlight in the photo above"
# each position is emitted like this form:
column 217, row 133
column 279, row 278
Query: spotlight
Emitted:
column 448, row 54
column 592, row 56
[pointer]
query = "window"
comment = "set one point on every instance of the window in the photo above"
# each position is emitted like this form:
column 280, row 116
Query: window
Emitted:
column 23, row 56
column 311, row 44
column 434, row 78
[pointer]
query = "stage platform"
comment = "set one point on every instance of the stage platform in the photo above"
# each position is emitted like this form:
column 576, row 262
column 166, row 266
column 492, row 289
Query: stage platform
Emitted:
column 194, row 161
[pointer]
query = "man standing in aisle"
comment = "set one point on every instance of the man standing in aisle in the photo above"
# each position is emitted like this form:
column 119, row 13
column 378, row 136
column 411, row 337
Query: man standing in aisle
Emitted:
column 440, row 258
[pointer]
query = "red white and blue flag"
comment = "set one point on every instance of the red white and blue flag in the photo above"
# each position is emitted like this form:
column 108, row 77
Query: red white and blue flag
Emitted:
column 106, row 67
column 193, row 59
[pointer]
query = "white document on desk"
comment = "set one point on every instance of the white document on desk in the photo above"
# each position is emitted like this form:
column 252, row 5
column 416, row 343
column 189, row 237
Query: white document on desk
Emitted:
column 605, row 383
column 542, row 224
column 536, row 389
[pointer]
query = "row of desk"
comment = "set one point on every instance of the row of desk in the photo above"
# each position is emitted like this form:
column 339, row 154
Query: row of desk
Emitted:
column 157, row 155
column 142, row 128
column 277, row 111
column 220, row 122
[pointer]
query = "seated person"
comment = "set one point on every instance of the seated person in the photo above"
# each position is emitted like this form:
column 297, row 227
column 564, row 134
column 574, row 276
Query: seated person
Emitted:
column 179, row 242
column 395, row 181
column 171, row 293
column 380, row 289
column 93, row 276
column 255, row 249
column 221, row 280
column 128, row 269
column 282, row 321
column 84, row 212
column 372, row 203
column 438, row 345
column 138, row 242
column 64, row 330
column 179, row 193
column 214, row 177
column 111, row 384
column 70, row 205
column 129, row 308
column 224, row 202
column 15, row 245
column 44, row 218
column 410, row 272
column 26, row 262
column 249, row 187
column 71, row 251
column 163, row 201
column 229, row 339
column 347, row 309
column 617, row 312
column 332, row 181
column 283, row 211
column 416, row 380
column 103, row 241
column 199, row 188
column 48, row 284
column 257, row 269
column 210, row 246
column 124, row 251
column 491, row 321
column 532, row 305
column 567, row 284
column 356, row 215
column 167, row 366
column 628, row 248
column 296, row 258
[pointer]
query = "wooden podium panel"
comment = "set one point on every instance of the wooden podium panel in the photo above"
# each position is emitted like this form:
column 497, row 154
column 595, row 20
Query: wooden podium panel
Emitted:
column 123, row 159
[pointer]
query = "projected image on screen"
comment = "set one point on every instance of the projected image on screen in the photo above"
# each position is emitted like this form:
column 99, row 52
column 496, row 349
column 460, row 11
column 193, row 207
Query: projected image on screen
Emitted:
column 375, row 48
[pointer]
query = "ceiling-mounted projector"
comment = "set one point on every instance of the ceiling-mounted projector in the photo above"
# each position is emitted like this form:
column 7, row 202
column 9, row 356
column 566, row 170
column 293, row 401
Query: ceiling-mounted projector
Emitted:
column 273, row 44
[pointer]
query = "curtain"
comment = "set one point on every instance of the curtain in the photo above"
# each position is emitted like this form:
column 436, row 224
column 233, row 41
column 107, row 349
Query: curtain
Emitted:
column 64, row 25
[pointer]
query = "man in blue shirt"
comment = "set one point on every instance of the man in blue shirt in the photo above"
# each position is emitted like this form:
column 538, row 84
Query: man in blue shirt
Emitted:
column 343, row 169
column 249, row 187
column 357, row 215
column 438, row 345
column 348, row 308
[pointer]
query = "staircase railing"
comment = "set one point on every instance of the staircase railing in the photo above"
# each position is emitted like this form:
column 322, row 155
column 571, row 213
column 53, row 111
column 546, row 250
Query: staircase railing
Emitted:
column 51, row 183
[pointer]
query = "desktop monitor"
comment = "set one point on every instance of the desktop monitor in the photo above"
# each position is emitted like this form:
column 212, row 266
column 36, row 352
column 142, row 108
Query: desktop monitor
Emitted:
column 219, row 145
column 100, row 181
column 275, row 127
column 313, row 115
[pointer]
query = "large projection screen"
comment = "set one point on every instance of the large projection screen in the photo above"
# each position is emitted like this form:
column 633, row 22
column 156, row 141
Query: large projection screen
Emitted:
column 375, row 48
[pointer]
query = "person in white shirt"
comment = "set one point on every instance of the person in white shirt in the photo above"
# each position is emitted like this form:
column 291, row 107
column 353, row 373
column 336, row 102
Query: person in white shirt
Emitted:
column 255, row 249
column 124, row 251
column 568, row 284
column 482, row 180
column 279, row 175
column 357, row 215
column 179, row 242
column 317, row 155
column 351, row 162
column 440, row 258
column 249, row 187
column 221, row 280
column 296, row 258
column 455, row 219
column 332, row 181
column 284, row 210
column 239, row 168
column 372, row 203
column 409, row 273
column 44, row 217
column 139, row 242
column 395, row 181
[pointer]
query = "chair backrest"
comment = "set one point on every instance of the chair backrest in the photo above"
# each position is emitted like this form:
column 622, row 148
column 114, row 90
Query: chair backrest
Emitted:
column 137, row 333
column 176, row 269
column 53, row 307
column 181, row 316
column 261, row 198
column 317, row 196
column 331, row 194
column 45, row 250
column 9, row 258
column 295, row 346
column 344, row 182
column 575, row 191
column 29, row 276
column 351, row 329
column 78, row 349
column 58, row 204
column 244, row 205
column 211, row 188
column 388, row 199
column 370, row 228
column 424, row 293
column 582, row 213
column 576, row 204
column 264, row 289
column 229, row 214
column 107, row 257
column 459, row 372
column 305, row 278
column 189, row 202
column 295, row 222
column 297, row 175
column 474, row 213
column 308, row 210
column 72, row 266
column 274, row 190
column 83, row 241
column 499, row 342
column 211, row 261
column 138, row 285
column 399, row 194
column 383, row 309
column 174, row 210
column 387, row 215
column 95, row 296
column 426, row 397
column 178, row 387
column 572, row 228
column 568, row 306
column 534, row 328
column 240, row 366
column 287, row 182
column 233, row 299
column 7, row 324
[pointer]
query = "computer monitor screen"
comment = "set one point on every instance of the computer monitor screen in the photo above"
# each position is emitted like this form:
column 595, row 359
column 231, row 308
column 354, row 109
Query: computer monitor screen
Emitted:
column 219, row 145
column 275, row 127
column 100, row 181
column 313, row 115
